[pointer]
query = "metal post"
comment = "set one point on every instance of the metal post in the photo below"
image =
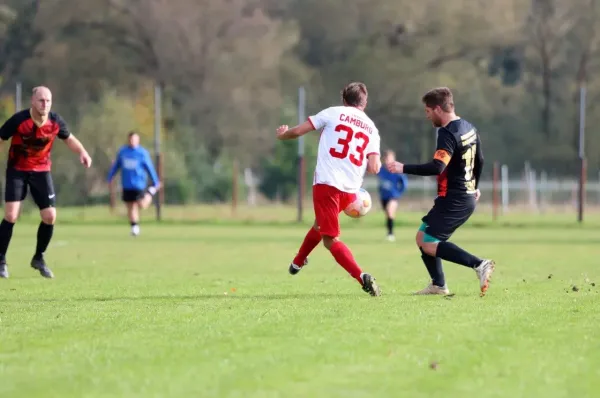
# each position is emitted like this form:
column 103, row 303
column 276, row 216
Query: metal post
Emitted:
column 495, row 178
column 157, row 130
column 18, row 97
column 112, row 197
column 301, row 160
column 526, row 177
column 533, row 189
column 580, row 202
column 543, row 189
column 505, row 197
column 234, row 185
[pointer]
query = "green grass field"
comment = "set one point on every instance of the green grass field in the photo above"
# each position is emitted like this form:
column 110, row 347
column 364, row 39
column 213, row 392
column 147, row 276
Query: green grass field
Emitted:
column 208, row 310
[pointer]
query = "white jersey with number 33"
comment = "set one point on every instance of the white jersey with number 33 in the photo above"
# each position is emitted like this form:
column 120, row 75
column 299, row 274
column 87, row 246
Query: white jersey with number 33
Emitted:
column 348, row 136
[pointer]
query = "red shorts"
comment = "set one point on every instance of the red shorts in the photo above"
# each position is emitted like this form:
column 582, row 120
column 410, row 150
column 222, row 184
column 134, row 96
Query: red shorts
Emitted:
column 329, row 202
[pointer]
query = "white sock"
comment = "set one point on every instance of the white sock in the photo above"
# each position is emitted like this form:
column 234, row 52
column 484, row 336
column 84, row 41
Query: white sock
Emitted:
column 135, row 229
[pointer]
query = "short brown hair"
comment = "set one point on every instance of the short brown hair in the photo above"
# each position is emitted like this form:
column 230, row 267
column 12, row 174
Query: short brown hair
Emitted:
column 441, row 96
column 355, row 94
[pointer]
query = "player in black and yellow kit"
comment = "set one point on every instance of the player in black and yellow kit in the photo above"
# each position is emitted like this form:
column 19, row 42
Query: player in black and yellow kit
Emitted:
column 457, row 163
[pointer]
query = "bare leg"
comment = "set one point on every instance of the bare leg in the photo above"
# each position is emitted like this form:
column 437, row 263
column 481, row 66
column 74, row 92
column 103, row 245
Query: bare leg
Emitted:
column 134, row 217
column 44, row 235
column 11, row 214
column 390, row 212
column 146, row 201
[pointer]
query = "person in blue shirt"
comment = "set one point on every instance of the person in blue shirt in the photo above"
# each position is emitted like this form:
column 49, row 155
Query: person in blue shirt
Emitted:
column 135, row 164
column 391, row 187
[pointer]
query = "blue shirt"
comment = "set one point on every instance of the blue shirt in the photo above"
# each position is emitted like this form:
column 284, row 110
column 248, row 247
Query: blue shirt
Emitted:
column 135, row 165
column 391, row 185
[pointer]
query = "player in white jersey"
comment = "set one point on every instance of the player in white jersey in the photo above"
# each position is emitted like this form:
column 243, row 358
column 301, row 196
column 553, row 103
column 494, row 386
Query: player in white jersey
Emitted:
column 349, row 145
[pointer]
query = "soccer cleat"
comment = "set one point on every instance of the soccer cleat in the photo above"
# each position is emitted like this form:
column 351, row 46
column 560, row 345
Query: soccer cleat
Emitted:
column 484, row 273
column 391, row 238
column 39, row 264
column 3, row 269
column 294, row 269
column 151, row 190
column 432, row 289
column 135, row 230
column 369, row 285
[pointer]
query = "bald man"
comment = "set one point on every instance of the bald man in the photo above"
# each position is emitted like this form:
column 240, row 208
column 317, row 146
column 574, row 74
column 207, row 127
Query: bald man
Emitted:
column 32, row 133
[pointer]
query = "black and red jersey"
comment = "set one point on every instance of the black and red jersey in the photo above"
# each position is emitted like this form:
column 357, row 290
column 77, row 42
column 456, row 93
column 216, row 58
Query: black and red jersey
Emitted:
column 31, row 143
column 459, row 147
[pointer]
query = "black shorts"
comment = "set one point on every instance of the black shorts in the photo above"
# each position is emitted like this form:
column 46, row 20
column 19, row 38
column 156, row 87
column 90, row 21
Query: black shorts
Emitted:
column 384, row 202
column 448, row 213
column 132, row 195
column 39, row 182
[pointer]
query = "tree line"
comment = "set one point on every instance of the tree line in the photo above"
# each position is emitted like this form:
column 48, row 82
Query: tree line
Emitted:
column 230, row 69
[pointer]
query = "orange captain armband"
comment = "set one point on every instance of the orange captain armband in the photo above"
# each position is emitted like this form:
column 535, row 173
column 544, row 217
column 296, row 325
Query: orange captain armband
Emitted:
column 442, row 156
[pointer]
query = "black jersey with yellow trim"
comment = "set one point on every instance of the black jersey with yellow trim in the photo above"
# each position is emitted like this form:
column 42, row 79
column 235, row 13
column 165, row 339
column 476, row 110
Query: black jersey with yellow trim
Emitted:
column 459, row 148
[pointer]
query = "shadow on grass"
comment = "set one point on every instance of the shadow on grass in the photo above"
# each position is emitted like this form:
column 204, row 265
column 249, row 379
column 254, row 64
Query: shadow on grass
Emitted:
column 229, row 296
column 199, row 297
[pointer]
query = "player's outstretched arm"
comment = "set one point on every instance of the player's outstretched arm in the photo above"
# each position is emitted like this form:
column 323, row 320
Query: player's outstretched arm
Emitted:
column 433, row 168
column 151, row 170
column 373, row 163
column 402, row 183
column 114, row 168
column 77, row 147
column 9, row 128
column 441, row 158
column 478, row 166
column 285, row 133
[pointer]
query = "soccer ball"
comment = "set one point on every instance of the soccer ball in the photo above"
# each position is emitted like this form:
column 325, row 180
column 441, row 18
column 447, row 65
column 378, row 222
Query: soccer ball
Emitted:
column 361, row 205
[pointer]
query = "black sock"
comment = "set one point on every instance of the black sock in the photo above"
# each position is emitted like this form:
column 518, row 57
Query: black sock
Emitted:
column 434, row 267
column 6, row 229
column 390, row 226
column 450, row 252
column 44, row 235
column 133, row 223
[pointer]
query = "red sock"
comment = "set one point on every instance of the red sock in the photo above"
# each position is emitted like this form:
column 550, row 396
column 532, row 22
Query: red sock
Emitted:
column 312, row 239
column 344, row 257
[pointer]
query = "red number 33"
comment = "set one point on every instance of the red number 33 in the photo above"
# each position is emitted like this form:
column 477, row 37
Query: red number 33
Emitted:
column 345, row 143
